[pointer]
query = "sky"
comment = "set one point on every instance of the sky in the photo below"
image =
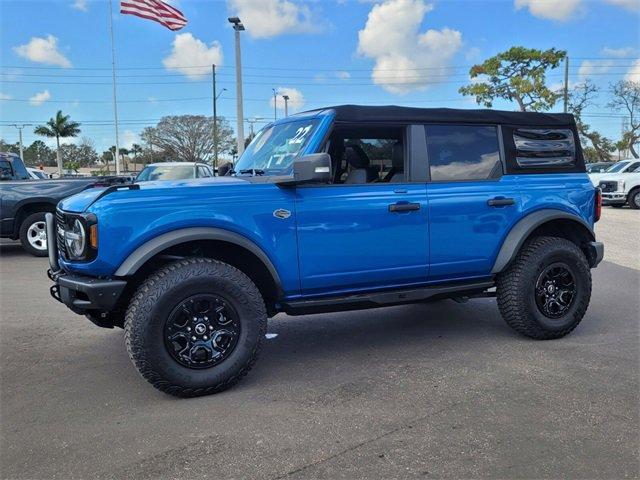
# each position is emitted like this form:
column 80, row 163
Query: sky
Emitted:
column 56, row 55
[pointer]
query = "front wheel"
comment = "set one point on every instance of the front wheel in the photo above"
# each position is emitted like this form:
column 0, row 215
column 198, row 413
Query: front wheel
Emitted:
column 634, row 199
column 545, row 292
column 195, row 327
column 33, row 234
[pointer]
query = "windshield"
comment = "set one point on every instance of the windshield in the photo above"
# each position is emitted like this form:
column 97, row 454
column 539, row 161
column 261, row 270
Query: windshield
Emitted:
column 166, row 172
column 275, row 147
column 617, row 167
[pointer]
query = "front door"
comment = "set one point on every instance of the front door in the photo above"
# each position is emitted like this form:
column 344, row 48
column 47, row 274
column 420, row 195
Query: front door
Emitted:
column 354, row 237
column 369, row 228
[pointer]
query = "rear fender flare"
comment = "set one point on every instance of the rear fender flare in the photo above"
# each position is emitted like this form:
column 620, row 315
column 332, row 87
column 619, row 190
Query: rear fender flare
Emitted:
column 521, row 231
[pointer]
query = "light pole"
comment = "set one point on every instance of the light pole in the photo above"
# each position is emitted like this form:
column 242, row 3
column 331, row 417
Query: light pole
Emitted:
column 238, row 27
column 286, row 105
column 20, row 127
column 275, row 104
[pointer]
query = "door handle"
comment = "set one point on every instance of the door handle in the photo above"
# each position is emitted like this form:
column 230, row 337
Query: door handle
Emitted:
column 404, row 207
column 501, row 202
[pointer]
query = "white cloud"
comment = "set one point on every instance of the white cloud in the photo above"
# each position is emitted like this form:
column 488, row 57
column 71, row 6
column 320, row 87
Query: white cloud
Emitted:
column 269, row 18
column 343, row 75
column 189, row 52
column 406, row 59
column 39, row 98
column 594, row 67
column 559, row 10
column 633, row 75
column 618, row 52
column 80, row 5
column 4, row 96
column 633, row 5
column 296, row 99
column 43, row 50
column 153, row 101
column 128, row 139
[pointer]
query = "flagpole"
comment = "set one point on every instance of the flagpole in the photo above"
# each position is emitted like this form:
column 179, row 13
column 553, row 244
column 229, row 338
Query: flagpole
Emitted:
column 113, row 75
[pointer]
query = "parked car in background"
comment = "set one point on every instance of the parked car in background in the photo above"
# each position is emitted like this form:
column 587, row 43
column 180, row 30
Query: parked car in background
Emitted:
column 623, row 166
column 38, row 174
column 338, row 209
column 598, row 167
column 24, row 201
column 622, row 188
column 174, row 171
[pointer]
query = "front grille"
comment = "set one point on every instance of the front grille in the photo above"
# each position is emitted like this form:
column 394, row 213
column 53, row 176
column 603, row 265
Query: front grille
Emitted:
column 608, row 186
column 60, row 226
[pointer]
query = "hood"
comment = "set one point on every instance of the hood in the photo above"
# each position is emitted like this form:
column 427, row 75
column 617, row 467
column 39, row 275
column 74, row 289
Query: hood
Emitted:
column 596, row 177
column 83, row 200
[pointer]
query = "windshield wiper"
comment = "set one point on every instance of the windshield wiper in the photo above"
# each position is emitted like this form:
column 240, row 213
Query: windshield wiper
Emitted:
column 252, row 171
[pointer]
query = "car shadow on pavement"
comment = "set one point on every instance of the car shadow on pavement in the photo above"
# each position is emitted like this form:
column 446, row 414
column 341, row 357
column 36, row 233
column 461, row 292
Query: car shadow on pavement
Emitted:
column 12, row 250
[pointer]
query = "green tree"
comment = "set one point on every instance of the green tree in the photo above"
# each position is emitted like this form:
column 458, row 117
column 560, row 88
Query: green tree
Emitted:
column 83, row 154
column 38, row 153
column 9, row 147
column 188, row 138
column 626, row 98
column 581, row 98
column 59, row 127
column 517, row 75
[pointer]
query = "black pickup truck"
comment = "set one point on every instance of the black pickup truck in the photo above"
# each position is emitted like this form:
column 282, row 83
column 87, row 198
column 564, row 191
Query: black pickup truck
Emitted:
column 24, row 201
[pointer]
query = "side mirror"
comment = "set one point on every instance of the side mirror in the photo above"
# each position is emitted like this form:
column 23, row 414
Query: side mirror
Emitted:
column 313, row 168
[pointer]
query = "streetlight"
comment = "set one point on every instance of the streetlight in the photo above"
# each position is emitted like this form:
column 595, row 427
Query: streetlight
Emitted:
column 275, row 104
column 20, row 127
column 286, row 105
column 238, row 27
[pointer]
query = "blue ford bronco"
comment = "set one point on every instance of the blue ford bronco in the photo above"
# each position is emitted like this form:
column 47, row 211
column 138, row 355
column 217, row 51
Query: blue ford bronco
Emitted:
column 343, row 208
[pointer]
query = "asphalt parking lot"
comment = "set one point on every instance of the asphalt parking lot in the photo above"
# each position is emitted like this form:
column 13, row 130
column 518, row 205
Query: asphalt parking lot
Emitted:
column 421, row 391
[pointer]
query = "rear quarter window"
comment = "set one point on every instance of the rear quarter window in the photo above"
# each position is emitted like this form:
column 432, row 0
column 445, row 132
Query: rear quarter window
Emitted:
column 547, row 148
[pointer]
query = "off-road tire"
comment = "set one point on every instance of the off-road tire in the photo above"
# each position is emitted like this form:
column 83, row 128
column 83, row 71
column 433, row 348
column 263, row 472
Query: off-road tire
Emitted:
column 516, row 288
column 24, row 232
column 633, row 200
column 160, row 293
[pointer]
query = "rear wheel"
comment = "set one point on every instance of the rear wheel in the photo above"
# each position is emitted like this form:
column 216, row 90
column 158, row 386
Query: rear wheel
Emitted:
column 545, row 292
column 33, row 234
column 634, row 199
column 195, row 327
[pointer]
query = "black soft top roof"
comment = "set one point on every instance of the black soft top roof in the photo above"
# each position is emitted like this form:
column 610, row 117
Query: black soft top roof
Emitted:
column 396, row 114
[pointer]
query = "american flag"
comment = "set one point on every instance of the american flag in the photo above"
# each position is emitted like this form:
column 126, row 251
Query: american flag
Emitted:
column 155, row 10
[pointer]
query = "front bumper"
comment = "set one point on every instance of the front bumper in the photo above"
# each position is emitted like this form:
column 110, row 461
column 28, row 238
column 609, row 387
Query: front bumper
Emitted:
column 614, row 198
column 86, row 294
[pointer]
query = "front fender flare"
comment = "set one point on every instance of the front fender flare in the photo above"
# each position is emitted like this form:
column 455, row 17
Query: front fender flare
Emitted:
column 521, row 231
column 144, row 252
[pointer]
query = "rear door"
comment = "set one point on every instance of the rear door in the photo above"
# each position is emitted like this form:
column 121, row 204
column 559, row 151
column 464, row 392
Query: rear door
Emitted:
column 472, row 205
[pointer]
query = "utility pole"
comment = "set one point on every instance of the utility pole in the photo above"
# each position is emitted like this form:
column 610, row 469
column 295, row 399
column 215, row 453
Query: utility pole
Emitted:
column 566, row 84
column 275, row 104
column 20, row 127
column 286, row 105
column 238, row 27
column 215, row 119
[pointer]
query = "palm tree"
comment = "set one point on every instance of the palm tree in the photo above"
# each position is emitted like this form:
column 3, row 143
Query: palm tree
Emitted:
column 59, row 127
column 136, row 150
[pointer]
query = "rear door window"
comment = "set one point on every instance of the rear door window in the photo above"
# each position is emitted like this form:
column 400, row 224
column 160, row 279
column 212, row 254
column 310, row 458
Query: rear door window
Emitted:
column 463, row 152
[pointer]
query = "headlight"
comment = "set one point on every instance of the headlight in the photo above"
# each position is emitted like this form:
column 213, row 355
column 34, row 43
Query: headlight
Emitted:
column 75, row 239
